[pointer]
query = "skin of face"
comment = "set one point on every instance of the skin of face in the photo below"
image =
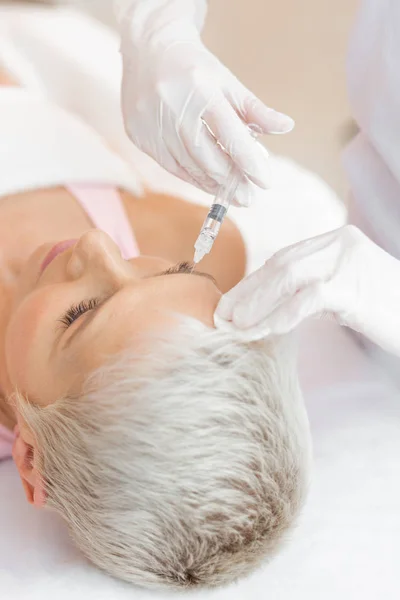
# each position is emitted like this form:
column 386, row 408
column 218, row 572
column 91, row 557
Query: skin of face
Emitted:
column 47, row 356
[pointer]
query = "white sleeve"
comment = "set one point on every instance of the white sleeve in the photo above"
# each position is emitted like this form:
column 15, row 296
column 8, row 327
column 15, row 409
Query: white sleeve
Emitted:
column 372, row 160
column 374, row 77
column 195, row 9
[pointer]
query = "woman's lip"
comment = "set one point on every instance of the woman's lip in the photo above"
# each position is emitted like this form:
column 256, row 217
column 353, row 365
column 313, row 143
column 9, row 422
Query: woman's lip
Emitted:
column 55, row 251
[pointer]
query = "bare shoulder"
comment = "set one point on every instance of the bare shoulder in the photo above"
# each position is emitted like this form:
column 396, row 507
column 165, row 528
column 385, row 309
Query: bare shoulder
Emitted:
column 168, row 226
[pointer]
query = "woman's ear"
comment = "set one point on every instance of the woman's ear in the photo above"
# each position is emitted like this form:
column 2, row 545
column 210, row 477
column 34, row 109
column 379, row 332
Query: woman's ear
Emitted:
column 24, row 457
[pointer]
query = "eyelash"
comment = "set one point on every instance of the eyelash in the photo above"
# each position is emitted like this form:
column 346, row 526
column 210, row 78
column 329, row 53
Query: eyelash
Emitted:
column 77, row 310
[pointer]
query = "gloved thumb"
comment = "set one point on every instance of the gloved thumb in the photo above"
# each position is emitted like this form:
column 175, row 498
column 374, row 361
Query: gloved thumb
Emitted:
column 254, row 112
column 242, row 292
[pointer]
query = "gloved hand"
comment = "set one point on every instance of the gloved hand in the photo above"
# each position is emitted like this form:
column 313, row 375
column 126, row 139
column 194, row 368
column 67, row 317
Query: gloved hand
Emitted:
column 341, row 275
column 172, row 85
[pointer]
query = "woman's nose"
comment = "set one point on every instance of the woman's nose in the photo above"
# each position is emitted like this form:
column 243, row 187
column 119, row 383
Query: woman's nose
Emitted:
column 96, row 254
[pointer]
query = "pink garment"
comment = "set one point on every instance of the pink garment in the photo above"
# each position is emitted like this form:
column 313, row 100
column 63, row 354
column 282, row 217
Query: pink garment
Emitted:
column 103, row 205
column 6, row 441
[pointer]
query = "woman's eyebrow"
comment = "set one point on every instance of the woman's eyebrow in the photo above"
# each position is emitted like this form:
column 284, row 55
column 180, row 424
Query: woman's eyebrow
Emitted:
column 186, row 268
column 197, row 273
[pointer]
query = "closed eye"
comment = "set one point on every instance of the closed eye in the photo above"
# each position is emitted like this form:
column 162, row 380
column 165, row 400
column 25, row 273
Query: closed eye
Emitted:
column 77, row 310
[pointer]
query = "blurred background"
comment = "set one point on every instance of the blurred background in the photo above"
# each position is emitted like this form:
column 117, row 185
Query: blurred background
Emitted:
column 291, row 54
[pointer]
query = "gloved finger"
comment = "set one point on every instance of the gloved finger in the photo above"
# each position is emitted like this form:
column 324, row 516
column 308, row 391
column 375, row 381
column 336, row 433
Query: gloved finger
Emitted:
column 280, row 284
column 244, row 289
column 192, row 172
column 245, row 194
column 209, row 156
column 176, row 169
column 282, row 273
column 237, row 141
column 223, row 164
column 255, row 286
column 228, row 326
column 247, row 191
column 307, row 303
column 253, row 111
column 169, row 151
column 304, row 248
column 205, row 152
column 217, row 164
column 163, row 156
column 273, row 293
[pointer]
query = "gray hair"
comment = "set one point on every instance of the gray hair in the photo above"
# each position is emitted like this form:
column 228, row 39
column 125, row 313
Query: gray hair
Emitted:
column 185, row 466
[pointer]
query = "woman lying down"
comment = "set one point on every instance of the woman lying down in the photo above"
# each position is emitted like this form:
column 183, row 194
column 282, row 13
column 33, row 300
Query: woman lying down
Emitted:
column 177, row 455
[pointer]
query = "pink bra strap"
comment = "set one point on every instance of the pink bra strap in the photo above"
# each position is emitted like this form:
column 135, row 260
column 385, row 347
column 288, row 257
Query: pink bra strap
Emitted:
column 104, row 207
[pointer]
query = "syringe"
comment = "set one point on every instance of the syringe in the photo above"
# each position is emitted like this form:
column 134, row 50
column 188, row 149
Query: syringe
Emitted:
column 216, row 215
column 218, row 210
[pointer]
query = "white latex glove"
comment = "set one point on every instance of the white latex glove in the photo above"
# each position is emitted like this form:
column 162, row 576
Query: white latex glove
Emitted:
column 340, row 275
column 172, row 83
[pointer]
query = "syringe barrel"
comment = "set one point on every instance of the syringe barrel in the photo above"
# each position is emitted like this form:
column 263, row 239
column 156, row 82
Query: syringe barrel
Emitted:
column 214, row 219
